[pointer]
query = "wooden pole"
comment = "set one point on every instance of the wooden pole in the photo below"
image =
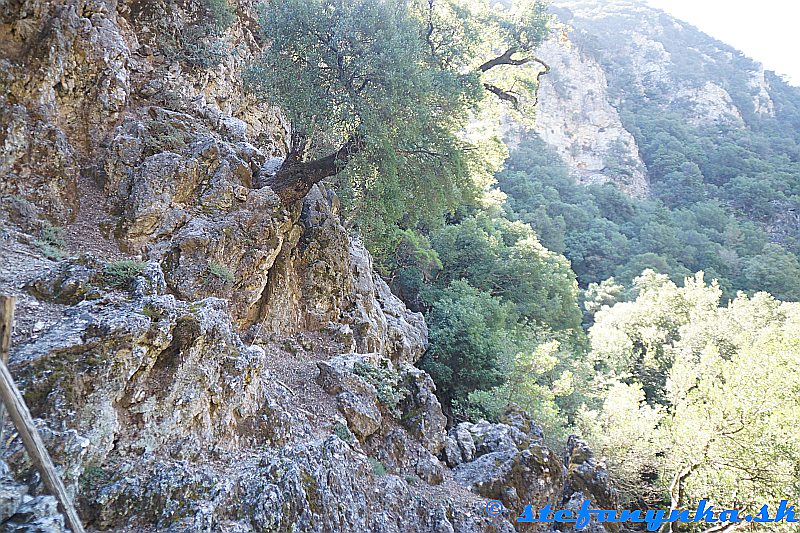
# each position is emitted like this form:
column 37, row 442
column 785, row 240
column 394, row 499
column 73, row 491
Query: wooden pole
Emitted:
column 21, row 416
column 6, row 326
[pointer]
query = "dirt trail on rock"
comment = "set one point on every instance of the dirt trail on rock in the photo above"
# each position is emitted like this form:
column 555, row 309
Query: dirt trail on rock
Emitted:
column 294, row 368
column 20, row 263
column 93, row 227
column 90, row 232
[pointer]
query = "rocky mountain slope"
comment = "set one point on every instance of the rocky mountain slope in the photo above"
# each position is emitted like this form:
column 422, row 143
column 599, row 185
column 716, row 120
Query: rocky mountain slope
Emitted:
column 575, row 116
column 703, row 142
column 611, row 58
column 704, row 78
column 201, row 357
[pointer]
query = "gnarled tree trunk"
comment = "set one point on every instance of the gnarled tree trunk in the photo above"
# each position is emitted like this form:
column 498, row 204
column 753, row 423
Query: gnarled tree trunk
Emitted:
column 296, row 177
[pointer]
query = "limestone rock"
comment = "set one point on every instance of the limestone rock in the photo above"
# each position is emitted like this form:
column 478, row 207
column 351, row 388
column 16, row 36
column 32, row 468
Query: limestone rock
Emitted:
column 501, row 462
column 466, row 443
column 20, row 512
column 451, row 452
column 422, row 413
column 71, row 281
column 515, row 476
column 357, row 399
column 182, row 378
column 588, row 480
column 322, row 485
column 11, row 495
column 36, row 515
column 361, row 411
column 576, row 118
column 708, row 104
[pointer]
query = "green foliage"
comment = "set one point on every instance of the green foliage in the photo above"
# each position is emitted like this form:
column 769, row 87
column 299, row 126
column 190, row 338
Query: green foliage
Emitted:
column 496, row 42
column 598, row 296
column 505, row 259
column 342, row 431
column 219, row 13
column 220, row 272
column 51, row 241
column 203, row 48
column 730, row 409
column 344, row 70
column 629, row 339
column 93, row 478
column 546, row 375
column 378, row 468
column 119, row 274
column 404, row 80
column 163, row 137
column 494, row 297
column 603, row 233
column 470, row 337
column 534, row 382
column 52, row 235
column 696, row 408
column 774, row 270
column 387, row 383
column 412, row 263
column 482, row 405
column 624, row 433
column 201, row 43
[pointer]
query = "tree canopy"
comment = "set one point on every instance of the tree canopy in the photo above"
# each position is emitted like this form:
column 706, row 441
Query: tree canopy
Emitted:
column 378, row 94
column 705, row 397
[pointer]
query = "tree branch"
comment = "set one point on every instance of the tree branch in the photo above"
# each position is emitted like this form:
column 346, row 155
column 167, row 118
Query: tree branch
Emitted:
column 505, row 59
column 429, row 32
column 541, row 73
column 503, row 95
column 299, row 148
column 508, row 95
column 676, row 493
column 418, row 151
column 726, row 527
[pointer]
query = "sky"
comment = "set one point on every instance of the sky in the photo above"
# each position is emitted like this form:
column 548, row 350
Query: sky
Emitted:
column 765, row 30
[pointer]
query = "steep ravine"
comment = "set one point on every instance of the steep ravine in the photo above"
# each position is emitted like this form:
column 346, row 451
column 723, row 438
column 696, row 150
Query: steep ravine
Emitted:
column 235, row 380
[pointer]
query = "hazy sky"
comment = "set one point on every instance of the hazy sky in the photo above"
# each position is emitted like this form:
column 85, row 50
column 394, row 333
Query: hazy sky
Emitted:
column 765, row 30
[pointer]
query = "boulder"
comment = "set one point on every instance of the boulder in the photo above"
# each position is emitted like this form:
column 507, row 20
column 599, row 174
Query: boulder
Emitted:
column 517, row 477
column 587, row 479
column 21, row 512
column 422, row 414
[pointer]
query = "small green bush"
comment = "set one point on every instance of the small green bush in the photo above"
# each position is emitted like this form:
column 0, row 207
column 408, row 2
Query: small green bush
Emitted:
column 378, row 468
column 92, row 478
column 387, row 384
column 220, row 272
column 219, row 13
column 51, row 241
column 341, row 431
column 119, row 274
column 202, row 45
column 53, row 235
column 163, row 137
column 203, row 50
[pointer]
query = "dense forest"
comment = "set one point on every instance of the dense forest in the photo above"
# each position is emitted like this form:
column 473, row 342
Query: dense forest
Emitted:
column 652, row 326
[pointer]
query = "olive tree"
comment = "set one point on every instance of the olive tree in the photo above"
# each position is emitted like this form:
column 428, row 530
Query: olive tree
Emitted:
column 384, row 89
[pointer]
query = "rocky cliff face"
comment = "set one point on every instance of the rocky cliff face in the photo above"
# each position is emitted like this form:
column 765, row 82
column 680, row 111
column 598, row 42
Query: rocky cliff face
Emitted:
column 575, row 116
column 606, row 55
column 199, row 356
column 649, row 54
